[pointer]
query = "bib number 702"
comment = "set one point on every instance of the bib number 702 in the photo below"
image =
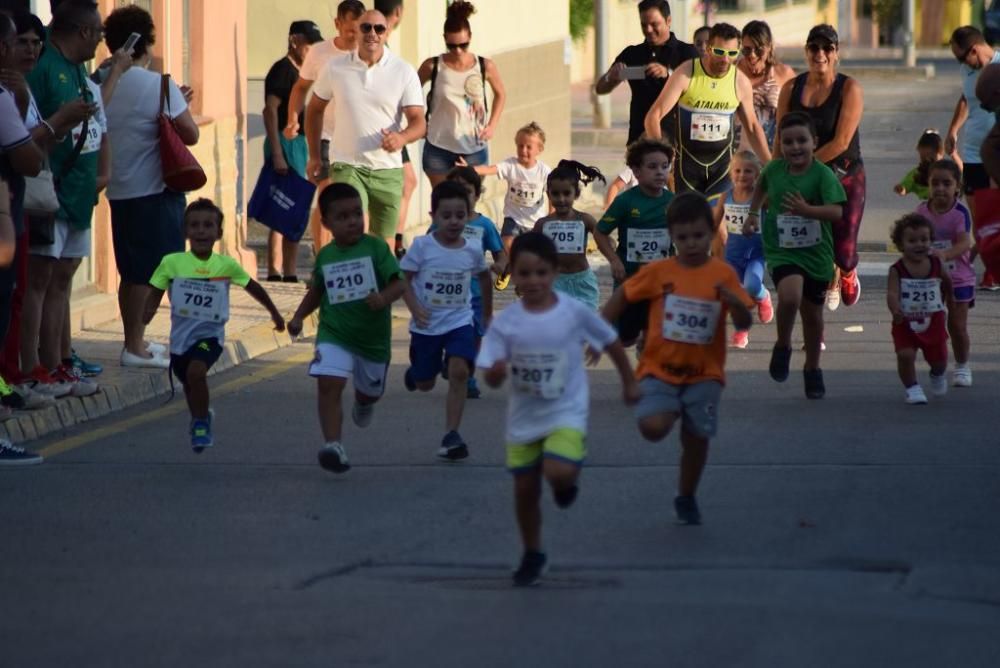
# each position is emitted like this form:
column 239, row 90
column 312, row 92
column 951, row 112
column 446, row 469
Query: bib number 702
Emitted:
column 204, row 301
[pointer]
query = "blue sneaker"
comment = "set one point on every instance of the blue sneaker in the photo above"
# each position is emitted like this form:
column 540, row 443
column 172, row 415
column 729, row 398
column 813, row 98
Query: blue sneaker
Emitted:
column 472, row 389
column 201, row 434
column 88, row 369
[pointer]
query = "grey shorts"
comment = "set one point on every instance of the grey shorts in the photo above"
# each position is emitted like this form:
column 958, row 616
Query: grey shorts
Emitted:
column 511, row 228
column 697, row 404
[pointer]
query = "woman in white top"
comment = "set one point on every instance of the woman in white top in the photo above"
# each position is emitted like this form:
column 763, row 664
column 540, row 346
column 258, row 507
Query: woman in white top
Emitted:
column 766, row 75
column 460, row 121
column 146, row 218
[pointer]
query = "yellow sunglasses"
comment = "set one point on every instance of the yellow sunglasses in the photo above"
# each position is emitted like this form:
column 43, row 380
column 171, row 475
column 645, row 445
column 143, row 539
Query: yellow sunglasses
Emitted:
column 725, row 53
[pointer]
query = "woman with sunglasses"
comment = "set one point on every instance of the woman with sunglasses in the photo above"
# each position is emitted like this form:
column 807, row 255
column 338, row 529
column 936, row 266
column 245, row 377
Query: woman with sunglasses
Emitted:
column 835, row 103
column 710, row 94
column 766, row 76
column 459, row 123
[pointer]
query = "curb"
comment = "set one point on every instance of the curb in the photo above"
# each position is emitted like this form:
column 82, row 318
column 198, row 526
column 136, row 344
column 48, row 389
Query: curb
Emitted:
column 141, row 386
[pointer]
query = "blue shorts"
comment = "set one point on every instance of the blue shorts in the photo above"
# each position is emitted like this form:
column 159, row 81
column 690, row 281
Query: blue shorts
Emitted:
column 477, row 317
column 965, row 293
column 438, row 161
column 429, row 352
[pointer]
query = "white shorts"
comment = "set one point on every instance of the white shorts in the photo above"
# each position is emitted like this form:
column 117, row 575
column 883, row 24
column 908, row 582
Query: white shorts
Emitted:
column 332, row 360
column 69, row 243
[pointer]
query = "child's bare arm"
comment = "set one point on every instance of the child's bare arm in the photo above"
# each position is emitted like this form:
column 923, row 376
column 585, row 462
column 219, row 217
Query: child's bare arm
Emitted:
column 393, row 290
column 417, row 310
column 255, row 290
column 310, row 302
column 742, row 318
column 152, row 304
column 630, row 388
column 613, row 310
column 892, row 296
column 759, row 199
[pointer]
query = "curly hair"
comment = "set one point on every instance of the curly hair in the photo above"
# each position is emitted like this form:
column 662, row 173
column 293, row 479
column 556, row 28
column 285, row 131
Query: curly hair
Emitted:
column 911, row 221
column 127, row 20
column 639, row 149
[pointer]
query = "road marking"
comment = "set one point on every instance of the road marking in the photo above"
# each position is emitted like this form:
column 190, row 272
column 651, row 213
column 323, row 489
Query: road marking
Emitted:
column 235, row 385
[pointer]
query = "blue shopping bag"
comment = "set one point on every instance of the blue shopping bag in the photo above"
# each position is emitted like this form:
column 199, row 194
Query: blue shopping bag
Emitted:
column 282, row 203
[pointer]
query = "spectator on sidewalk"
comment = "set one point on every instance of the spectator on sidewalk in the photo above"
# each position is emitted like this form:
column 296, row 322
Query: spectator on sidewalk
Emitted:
column 284, row 153
column 766, row 74
column 372, row 90
column 146, row 217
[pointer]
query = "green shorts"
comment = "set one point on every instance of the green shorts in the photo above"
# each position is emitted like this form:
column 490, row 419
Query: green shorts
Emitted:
column 381, row 193
column 567, row 445
column 582, row 286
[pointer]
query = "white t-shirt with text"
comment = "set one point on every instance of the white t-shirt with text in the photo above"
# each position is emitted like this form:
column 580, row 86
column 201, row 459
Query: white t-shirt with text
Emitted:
column 525, row 201
column 442, row 281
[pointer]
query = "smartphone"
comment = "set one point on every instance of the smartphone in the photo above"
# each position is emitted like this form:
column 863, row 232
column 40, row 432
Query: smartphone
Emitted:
column 637, row 72
column 131, row 42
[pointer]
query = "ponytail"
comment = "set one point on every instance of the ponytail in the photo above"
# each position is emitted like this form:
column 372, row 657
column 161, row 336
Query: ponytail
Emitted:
column 576, row 173
column 457, row 16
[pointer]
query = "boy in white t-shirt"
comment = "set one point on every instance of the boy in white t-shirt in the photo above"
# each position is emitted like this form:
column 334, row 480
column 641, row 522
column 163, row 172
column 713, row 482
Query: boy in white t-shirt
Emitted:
column 439, row 267
column 542, row 338
column 526, row 176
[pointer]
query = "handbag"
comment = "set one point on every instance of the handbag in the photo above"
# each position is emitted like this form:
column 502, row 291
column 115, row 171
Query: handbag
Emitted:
column 282, row 203
column 42, row 221
column 181, row 171
column 40, row 193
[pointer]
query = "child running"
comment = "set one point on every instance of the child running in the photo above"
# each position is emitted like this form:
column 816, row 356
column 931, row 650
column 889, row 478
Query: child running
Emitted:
column 569, row 228
column 478, row 231
column 639, row 216
column 952, row 244
column 918, row 289
column 525, row 176
column 681, row 369
column 438, row 269
column 930, row 148
column 355, row 282
column 541, row 338
column 198, row 281
column 803, row 197
column 744, row 253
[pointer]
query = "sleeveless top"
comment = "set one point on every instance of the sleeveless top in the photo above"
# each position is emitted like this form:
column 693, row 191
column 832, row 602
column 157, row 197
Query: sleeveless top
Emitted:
column 936, row 323
column 707, row 110
column 459, row 104
column 826, row 116
column 765, row 106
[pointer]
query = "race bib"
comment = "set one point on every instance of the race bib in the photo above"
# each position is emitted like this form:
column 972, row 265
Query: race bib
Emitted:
column 448, row 289
column 525, row 194
column 690, row 320
column 93, row 141
column 474, row 235
column 798, row 232
column 539, row 373
column 646, row 245
column 943, row 246
column 200, row 299
column 710, row 127
column 920, row 297
column 569, row 235
column 734, row 216
column 349, row 280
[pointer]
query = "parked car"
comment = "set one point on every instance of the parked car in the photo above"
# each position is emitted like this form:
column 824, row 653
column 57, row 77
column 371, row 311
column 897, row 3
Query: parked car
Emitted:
column 991, row 21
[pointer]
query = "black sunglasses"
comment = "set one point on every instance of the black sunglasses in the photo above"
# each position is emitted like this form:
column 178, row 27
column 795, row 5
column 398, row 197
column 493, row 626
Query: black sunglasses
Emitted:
column 758, row 50
column 379, row 28
column 457, row 47
column 965, row 56
column 813, row 47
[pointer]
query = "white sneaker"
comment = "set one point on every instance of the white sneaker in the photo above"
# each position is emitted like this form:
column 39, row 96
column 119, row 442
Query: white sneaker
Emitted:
column 362, row 414
column 79, row 386
column 939, row 385
column 34, row 399
column 915, row 395
column 961, row 376
column 137, row 361
column 333, row 457
column 833, row 299
column 155, row 348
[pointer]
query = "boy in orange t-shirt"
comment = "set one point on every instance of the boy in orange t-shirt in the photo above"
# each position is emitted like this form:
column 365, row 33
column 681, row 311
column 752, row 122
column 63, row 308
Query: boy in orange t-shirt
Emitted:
column 681, row 369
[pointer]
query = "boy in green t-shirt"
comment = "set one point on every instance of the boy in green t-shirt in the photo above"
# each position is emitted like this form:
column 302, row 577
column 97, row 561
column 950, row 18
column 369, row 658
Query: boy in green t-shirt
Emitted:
column 640, row 216
column 198, row 281
column 803, row 197
column 354, row 284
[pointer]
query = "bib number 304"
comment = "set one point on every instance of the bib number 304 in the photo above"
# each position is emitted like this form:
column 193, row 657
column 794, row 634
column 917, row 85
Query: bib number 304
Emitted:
column 689, row 320
column 199, row 299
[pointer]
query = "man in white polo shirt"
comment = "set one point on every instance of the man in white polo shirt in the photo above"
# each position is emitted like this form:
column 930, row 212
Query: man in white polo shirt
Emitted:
column 372, row 90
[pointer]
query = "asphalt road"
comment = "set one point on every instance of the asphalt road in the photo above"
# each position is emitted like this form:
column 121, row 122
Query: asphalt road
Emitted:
column 853, row 531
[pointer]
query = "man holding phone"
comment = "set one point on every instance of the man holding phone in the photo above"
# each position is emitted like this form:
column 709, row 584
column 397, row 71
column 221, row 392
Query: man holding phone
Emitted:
column 647, row 66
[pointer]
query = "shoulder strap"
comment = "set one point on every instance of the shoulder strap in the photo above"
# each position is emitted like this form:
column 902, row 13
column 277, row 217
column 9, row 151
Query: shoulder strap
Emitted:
column 164, row 93
column 482, row 73
column 78, row 146
column 430, row 94
column 796, row 102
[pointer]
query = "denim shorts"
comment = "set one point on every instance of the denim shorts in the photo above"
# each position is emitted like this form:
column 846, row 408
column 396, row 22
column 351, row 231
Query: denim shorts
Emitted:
column 697, row 404
column 438, row 161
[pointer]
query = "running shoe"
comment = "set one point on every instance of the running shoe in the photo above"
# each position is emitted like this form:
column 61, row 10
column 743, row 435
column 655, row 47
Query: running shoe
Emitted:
column 155, row 362
column 939, row 385
column 915, row 395
column 361, row 414
column 780, row 359
column 566, row 497
column 686, row 511
column 765, row 308
column 156, row 348
column 10, row 398
column 273, row 278
column 23, row 397
column 815, row 389
column 472, row 389
column 833, row 292
column 79, row 386
column 850, row 288
column 88, row 369
column 201, row 434
column 739, row 339
column 989, row 283
column 502, row 282
column 408, row 381
column 453, row 448
column 533, row 567
column 333, row 457
column 961, row 376
column 43, row 382
column 12, row 455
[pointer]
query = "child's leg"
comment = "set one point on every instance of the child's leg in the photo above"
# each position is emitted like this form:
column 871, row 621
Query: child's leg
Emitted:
column 196, row 389
column 694, row 455
column 656, row 427
column 906, row 359
column 753, row 279
column 458, row 378
column 331, row 413
column 789, row 300
column 527, row 494
column 812, row 331
column 425, row 361
column 561, row 475
column 958, row 318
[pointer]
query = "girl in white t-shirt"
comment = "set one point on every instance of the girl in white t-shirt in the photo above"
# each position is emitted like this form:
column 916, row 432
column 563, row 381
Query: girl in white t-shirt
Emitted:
column 525, row 175
column 549, row 401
